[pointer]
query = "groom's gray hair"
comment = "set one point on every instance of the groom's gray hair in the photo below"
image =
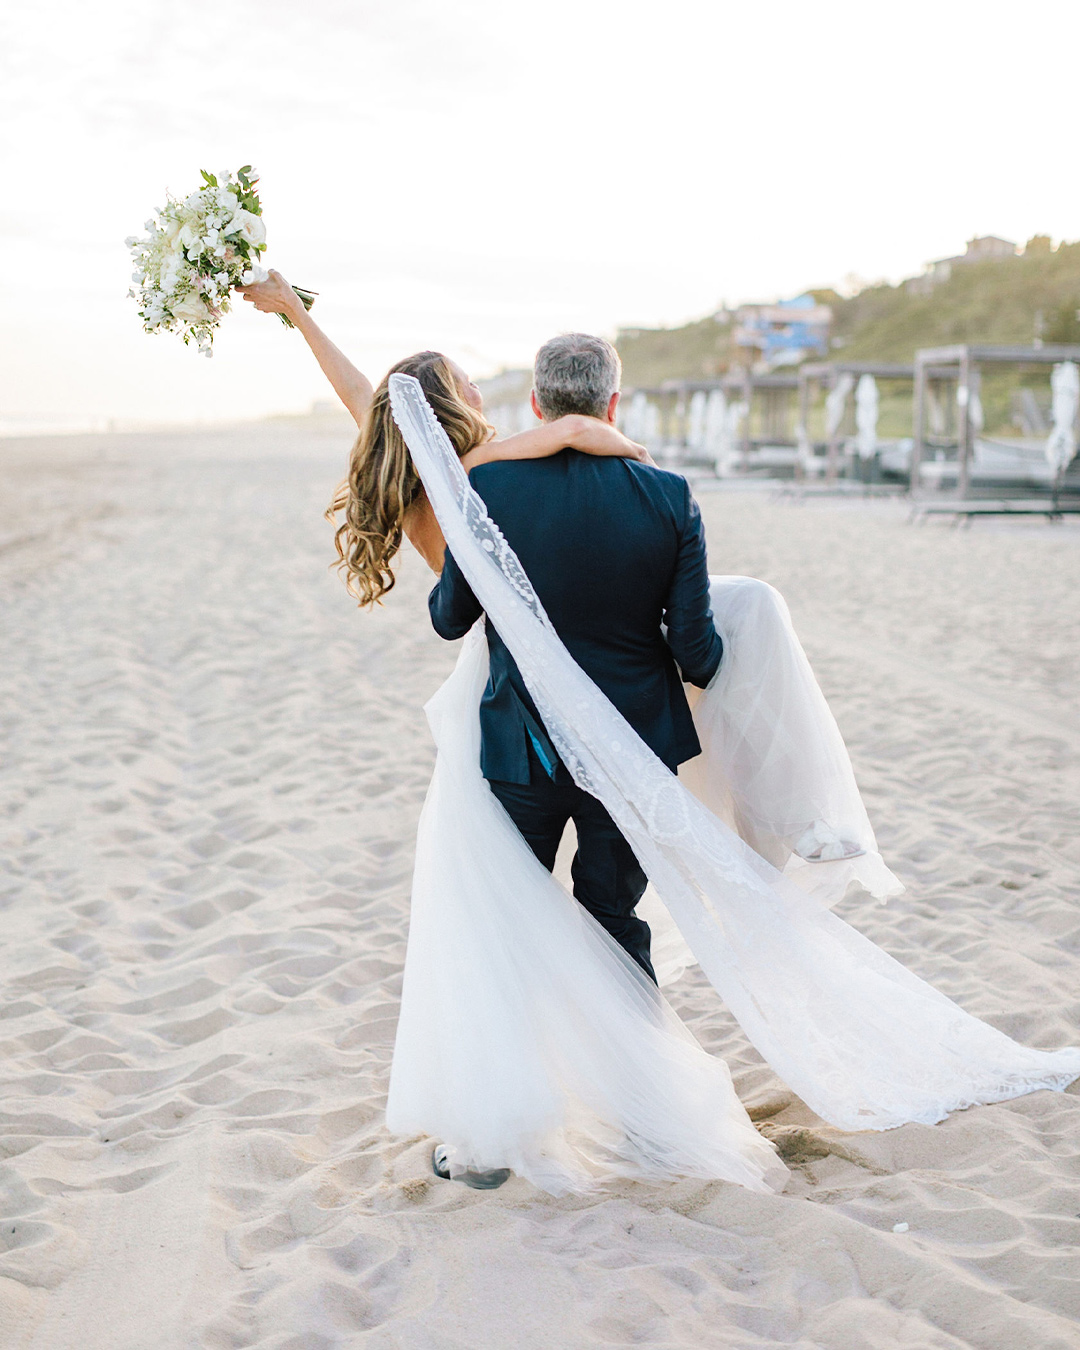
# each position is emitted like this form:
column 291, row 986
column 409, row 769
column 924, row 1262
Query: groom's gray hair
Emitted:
column 576, row 373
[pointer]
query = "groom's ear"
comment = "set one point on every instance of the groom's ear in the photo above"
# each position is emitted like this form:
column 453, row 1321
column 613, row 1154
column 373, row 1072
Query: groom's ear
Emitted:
column 535, row 405
column 613, row 403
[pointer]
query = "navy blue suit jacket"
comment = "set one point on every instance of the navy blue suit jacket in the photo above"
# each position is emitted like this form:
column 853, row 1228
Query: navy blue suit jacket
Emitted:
column 614, row 549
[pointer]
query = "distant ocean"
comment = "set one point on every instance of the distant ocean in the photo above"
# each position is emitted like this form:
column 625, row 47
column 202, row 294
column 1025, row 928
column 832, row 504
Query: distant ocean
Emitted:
column 322, row 412
column 57, row 426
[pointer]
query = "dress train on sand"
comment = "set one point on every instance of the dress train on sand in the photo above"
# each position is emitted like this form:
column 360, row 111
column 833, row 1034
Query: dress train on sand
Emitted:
column 529, row 1040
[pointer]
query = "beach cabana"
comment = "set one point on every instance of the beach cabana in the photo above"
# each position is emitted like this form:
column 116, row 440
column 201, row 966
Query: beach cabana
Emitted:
column 737, row 423
column 961, row 365
column 838, row 380
column 768, row 437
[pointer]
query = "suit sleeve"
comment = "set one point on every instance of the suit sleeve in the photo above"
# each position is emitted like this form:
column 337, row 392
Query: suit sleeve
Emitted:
column 691, row 633
column 452, row 606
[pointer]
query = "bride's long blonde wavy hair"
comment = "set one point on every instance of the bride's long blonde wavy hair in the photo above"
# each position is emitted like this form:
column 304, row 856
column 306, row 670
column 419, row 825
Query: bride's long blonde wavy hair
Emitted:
column 382, row 483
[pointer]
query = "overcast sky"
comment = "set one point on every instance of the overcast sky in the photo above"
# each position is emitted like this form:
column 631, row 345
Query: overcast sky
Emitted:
column 478, row 175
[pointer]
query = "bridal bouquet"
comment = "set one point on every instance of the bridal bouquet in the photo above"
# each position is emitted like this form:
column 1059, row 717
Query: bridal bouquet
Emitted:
column 195, row 251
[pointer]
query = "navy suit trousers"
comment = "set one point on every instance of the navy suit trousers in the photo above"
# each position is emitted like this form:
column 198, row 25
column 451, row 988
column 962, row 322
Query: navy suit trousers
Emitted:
column 608, row 879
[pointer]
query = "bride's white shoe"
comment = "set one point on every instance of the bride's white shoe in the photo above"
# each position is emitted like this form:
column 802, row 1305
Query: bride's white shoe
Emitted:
column 820, row 844
column 479, row 1181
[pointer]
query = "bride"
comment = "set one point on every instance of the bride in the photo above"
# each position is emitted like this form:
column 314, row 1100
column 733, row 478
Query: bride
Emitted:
column 528, row 1039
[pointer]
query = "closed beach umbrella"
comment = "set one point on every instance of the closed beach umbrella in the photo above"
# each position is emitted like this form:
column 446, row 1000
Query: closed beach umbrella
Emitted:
column 634, row 417
column 715, row 417
column 695, row 438
column 728, row 452
column 1065, row 391
column 866, row 416
column 836, row 404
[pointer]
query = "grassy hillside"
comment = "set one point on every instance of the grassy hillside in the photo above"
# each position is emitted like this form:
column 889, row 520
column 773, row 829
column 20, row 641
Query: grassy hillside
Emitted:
column 652, row 355
column 982, row 302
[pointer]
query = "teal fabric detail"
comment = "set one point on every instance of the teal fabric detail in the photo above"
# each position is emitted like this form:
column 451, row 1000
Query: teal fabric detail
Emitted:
column 542, row 755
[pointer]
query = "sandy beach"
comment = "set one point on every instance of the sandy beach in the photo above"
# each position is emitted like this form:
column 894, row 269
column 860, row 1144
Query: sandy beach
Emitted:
column 214, row 770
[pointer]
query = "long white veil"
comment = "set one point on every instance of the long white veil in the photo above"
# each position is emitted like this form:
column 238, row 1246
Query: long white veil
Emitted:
column 862, row 1040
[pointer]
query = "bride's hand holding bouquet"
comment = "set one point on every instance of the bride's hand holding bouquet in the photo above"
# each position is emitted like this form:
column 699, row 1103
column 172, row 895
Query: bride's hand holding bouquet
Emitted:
column 272, row 294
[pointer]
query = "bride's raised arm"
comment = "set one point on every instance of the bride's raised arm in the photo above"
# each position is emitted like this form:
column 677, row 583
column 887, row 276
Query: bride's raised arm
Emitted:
column 276, row 296
column 590, row 435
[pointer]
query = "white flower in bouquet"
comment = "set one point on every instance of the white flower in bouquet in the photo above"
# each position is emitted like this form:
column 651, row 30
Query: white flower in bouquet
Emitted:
column 195, row 251
column 249, row 227
column 192, row 309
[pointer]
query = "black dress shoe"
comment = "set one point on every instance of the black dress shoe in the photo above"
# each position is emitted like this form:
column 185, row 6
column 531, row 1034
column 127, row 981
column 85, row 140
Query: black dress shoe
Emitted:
column 479, row 1181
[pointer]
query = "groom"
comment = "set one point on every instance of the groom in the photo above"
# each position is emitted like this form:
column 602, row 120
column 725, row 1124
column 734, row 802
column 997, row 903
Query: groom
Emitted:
column 614, row 549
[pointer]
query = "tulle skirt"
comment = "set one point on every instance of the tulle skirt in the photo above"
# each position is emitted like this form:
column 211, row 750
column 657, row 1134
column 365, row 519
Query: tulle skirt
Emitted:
column 528, row 1038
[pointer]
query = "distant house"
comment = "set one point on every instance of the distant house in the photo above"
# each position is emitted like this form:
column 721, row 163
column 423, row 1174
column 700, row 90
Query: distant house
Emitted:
column 984, row 248
column 784, row 333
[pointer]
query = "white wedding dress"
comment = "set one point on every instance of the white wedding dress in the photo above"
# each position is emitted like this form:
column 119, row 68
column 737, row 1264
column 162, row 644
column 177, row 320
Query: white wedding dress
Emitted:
column 528, row 1039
